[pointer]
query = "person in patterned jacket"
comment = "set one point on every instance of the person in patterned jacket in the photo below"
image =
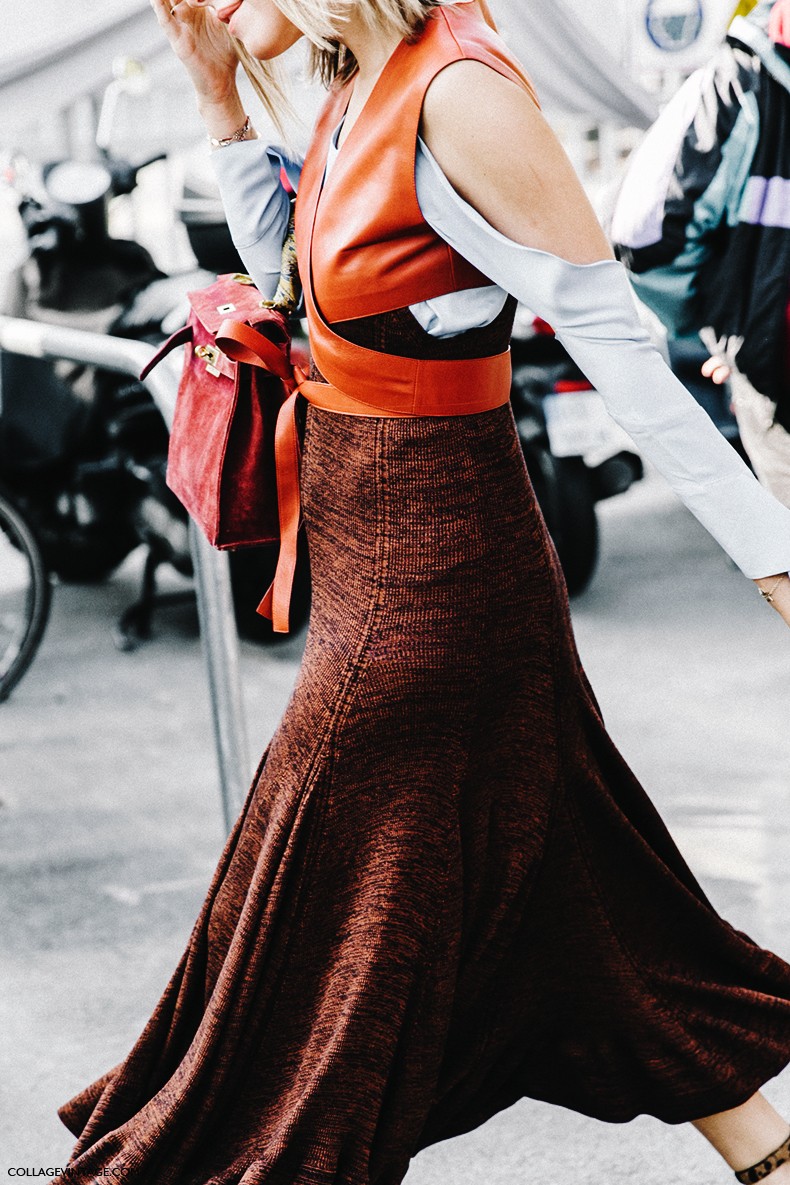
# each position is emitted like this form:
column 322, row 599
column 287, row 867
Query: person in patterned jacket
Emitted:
column 702, row 222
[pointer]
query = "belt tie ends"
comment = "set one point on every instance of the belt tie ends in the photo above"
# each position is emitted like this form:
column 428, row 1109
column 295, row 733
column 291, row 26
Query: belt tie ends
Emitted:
column 288, row 456
column 276, row 604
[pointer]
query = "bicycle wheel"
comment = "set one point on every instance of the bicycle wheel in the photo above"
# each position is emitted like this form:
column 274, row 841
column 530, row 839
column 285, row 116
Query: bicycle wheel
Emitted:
column 24, row 595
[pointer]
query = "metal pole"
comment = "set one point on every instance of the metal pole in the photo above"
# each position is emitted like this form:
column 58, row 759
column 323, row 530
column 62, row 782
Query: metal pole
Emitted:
column 219, row 637
column 217, row 629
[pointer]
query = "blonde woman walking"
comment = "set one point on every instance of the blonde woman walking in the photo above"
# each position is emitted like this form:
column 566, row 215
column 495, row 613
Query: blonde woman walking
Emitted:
column 446, row 890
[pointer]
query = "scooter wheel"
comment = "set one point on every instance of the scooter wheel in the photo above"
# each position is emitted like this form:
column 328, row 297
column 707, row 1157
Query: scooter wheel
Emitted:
column 564, row 489
column 577, row 535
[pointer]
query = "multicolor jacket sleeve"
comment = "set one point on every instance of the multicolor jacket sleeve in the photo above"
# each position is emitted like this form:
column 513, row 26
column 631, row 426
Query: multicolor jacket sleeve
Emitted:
column 684, row 181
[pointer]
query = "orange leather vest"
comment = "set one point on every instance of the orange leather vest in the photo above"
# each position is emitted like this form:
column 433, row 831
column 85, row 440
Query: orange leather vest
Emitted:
column 364, row 248
column 361, row 240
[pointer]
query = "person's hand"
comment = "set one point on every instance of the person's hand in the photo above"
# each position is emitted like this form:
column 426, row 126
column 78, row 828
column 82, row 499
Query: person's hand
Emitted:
column 203, row 44
column 716, row 369
column 779, row 588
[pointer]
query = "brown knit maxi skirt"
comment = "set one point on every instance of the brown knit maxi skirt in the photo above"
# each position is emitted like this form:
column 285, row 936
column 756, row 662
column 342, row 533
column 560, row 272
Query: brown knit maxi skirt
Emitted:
column 446, row 890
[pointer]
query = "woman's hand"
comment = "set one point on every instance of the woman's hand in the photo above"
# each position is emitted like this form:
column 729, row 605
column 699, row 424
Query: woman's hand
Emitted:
column 203, row 44
column 779, row 588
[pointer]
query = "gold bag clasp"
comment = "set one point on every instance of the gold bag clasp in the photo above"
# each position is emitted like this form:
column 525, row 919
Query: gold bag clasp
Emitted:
column 210, row 356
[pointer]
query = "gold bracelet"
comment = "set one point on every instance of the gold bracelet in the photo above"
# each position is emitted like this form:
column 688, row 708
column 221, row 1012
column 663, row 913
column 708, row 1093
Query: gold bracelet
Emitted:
column 237, row 137
column 769, row 596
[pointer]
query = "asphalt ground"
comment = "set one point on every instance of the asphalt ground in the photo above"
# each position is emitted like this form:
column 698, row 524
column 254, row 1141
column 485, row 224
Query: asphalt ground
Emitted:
column 110, row 825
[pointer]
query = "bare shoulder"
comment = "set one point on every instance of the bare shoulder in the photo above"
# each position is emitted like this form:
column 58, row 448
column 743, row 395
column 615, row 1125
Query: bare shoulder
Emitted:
column 468, row 99
column 497, row 150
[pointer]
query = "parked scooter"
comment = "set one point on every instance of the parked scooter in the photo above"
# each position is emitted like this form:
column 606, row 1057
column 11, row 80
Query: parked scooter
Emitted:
column 84, row 450
column 575, row 453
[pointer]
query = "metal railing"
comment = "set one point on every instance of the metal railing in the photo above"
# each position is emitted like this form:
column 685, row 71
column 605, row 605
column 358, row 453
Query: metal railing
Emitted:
column 218, row 633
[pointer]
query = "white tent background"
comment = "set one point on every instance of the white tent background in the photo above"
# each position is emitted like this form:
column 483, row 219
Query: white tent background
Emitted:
column 585, row 58
column 594, row 65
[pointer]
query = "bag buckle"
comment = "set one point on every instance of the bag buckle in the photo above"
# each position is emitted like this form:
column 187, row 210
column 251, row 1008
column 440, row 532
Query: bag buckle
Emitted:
column 226, row 308
column 241, row 278
column 210, row 356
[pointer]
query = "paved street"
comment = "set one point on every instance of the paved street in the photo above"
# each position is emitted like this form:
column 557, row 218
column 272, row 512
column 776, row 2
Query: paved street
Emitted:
column 111, row 825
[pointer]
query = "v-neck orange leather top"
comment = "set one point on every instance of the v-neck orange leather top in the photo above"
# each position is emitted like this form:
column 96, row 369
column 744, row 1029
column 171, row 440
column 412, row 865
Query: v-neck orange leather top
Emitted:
column 362, row 243
column 362, row 232
column 364, row 248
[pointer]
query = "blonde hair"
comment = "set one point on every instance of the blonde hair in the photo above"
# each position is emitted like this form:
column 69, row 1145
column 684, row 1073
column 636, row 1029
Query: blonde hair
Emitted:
column 321, row 22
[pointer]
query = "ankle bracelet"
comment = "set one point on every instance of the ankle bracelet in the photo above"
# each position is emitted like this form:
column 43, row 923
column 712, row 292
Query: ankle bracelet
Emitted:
column 758, row 1172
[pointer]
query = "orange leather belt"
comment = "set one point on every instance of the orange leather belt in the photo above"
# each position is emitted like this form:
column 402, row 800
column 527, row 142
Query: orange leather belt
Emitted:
column 432, row 388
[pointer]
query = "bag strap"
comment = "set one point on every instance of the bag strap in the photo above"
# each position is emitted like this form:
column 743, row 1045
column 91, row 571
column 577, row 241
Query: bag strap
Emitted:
column 179, row 338
column 242, row 343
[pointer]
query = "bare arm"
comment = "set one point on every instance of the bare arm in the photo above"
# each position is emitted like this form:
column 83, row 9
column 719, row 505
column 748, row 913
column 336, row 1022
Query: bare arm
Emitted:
column 499, row 153
column 256, row 205
column 205, row 48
